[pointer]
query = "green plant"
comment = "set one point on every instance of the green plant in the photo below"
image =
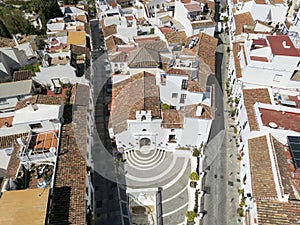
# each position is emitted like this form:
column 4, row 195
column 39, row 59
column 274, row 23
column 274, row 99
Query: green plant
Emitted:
column 68, row 93
column 194, row 176
column 196, row 153
column 240, row 211
column 235, row 130
column 232, row 112
column 243, row 202
column 164, row 106
column 190, row 215
column 241, row 191
column 237, row 100
column 225, row 19
column 152, row 30
column 196, row 201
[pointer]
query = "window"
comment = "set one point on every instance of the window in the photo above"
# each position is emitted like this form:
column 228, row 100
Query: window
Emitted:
column 143, row 118
column 184, row 84
column 277, row 78
column 182, row 98
column 174, row 95
column 35, row 126
column 144, row 130
column 172, row 130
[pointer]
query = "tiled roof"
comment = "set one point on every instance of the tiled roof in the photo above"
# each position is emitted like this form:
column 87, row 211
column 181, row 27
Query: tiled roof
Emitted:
column 78, row 50
column 14, row 162
column 112, row 42
column 238, row 70
column 23, row 75
column 176, row 71
column 207, row 49
column 140, row 39
column 262, row 179
column 39, row 99
column 272, row 212
column 8, row 141
column 144, row 58
column 139, row 92
column 201, row 24
column 165, row 30
column 178, row 37
column 283, row 168
column 194, row 7
column 251, row 96
column 108, row 30
column 69, row 192
column 242, row 19
column 172, row 118
column 118, row 57
column 191, row 110
column 157, row 45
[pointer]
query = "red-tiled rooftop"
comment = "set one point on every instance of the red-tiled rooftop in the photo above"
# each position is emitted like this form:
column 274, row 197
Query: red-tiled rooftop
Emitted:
column 193, row 7
column 165, row 30
column 282, row 45
column 260, row 41
column 6, row 121
column 259, row 58
column 284, row 120
column 251, row 96
column 262, row 180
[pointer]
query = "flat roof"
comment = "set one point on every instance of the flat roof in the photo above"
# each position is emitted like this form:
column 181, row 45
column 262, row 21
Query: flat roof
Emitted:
column 24, row 207
column 76, row 38
column 11, row 89
column 282, row 45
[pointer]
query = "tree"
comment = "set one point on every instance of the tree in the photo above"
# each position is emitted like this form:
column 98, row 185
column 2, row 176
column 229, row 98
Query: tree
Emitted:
column 194, row 176
column 3, row 31
column 190, row 215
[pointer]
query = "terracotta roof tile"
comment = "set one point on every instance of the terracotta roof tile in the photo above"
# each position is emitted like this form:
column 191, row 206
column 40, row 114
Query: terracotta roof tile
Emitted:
column 39, row 99
column 112, row 42
column 140, row 92
column 236, row 50
column 262, row 180
column 191, row 110
column 6, row 121
column 172, row 118
column 272, row 212
column 144, row 58
column 201, row 24
column 69, row 192
column 251, row 96
column 8, row 141
column 207, row 50
column 157, row 45
column 285, row 174
column 242, row 19
column 23, row 75
column 178, row 37
column 108, row 30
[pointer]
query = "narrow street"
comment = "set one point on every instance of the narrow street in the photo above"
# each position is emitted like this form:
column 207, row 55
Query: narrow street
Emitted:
column 222, row 178
column 106, row 201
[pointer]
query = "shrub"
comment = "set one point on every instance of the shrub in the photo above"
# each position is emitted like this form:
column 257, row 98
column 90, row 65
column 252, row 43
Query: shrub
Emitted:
column 241, row 191
column 165, row 106
column 196, row 153
column 240, row 211
column 190, row 215
column 194, row 176
column 68, row 93
column 152, row 31
column 196, row 201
